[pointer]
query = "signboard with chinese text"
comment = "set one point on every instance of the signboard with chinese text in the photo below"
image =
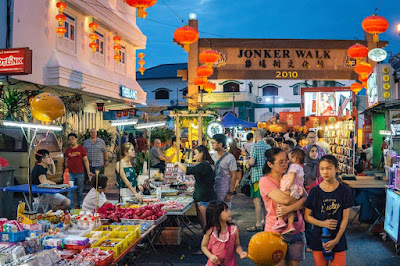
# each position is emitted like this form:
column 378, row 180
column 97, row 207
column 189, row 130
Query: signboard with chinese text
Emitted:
column 16, row 61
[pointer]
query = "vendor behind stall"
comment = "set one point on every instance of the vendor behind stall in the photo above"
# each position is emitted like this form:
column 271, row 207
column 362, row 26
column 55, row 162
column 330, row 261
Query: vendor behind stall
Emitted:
column 89, row 203
column 126, row 175
column 44, row 166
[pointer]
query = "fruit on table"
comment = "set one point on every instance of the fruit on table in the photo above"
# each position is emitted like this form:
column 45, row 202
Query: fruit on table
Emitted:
column 147, row 212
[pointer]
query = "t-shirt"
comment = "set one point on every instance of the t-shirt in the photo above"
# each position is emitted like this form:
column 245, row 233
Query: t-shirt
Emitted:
column 37, row 171
column 268, row 184
column 223, row 175
column 90, row 200
column 75, row 159
column 298, row 180
column 154, row 154
column 169, row 152
column 204, row 186
column 328, row 205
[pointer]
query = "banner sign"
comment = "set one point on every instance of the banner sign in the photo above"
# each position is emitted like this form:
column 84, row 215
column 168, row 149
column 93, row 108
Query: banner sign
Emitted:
column 16, row 61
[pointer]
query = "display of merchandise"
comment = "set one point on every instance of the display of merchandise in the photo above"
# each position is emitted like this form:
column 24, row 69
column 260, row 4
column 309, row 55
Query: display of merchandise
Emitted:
column 340, row 137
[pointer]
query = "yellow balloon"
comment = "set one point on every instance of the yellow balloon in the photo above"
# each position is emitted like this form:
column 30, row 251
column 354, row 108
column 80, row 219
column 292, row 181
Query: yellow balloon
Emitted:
column 267, row 248
column 47, row 107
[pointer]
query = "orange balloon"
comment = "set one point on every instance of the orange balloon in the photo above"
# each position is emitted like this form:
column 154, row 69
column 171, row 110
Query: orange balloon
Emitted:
column 267, row 248
column 47, row 107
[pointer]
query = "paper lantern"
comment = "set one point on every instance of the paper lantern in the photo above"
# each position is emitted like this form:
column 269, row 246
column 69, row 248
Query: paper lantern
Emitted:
column 186, row 35
column 363, row 78
column 363, row 68
column 141, row 55
column 116, row 39
column 141, row 6
column 267, row 248
column 61, row 6
column 357, row 51
column 117, row 48
column 356, row 87
column 93, row 37
column 47, row 107
column 375, row 25
column 94, row 46
column 61, row 31
column 209, row 57
column 200, row 81
column 125, row 112
column 93, row 26
column 141, row 70
column 117, row 57
column 204, row 71
column 100, row 107
column 61, row 18
column 131, row 112
column 210, row 87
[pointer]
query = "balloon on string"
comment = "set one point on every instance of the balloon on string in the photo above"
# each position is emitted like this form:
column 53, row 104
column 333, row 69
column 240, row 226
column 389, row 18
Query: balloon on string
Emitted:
column 267, row 248
column 47, row 107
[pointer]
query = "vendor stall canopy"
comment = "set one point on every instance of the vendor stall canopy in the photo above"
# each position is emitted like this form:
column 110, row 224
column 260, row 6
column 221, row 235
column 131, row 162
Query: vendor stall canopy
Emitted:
column 229, row 120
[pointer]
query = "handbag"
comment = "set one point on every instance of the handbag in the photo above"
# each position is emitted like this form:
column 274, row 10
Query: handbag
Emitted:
column 245, row 183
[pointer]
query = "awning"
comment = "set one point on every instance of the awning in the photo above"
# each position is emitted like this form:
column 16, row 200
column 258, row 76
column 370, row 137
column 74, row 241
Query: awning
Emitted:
column 229, row 120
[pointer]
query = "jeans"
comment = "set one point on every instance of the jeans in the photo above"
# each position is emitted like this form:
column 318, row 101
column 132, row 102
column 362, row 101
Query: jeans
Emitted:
column 79, row 180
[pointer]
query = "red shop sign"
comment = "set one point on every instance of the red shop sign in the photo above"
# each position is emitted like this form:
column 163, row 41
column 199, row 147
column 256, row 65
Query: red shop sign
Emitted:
column 16, row 61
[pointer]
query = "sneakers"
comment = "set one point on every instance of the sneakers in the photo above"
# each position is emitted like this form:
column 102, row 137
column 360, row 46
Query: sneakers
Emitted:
column 288, row 230
column 279, row 224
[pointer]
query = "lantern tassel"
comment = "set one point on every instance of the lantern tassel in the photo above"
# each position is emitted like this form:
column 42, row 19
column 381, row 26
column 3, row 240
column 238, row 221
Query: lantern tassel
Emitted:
column 375, row 38
column 186, row 47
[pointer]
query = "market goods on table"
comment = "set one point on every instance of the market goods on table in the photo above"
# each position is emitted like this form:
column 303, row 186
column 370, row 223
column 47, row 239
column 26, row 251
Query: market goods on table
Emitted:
column 116, row 213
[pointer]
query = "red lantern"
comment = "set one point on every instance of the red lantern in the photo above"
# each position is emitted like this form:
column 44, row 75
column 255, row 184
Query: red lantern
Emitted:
column 204, row 71
column 93, row 37
column 186, row 35
column 200, row 81
column 363, row 78
column 357, row 51
column 94, row 46
column 141, row 70
column 61, row 18
column 209, row 57
column 61, row 31
column 119, row 113
column 117, row 57
column 61, row 6
column 126, row 112
column 141, row 5
column 116, row 39
column 210, row 87
column 363, row 68
column 141, row 62
column 131, row 112
column 375, row 25
column 356, row 87
column 100, row 107
column 93, row 26
column 141, row 55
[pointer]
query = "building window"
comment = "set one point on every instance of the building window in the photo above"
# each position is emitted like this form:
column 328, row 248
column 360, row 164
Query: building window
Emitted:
column 162, row 94
column 98, row 56
column 270, row 91
column 67, row 41
column 296, row 90
column 120, row 65
column 184, row 92
column 231, row 87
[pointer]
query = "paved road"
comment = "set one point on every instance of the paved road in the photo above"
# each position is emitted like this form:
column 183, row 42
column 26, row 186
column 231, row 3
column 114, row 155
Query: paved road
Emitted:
column 364, row 249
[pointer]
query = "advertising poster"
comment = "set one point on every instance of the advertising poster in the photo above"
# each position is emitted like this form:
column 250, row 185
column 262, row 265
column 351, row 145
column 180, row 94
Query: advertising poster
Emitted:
column 392, row 214
column 334, row 103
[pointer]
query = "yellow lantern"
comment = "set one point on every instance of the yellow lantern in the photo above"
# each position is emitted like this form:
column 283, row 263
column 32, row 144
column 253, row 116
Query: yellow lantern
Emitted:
column 267, row 248
column 47, row 107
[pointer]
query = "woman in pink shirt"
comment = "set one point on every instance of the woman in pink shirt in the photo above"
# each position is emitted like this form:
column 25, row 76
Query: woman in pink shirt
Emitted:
column 276, row 202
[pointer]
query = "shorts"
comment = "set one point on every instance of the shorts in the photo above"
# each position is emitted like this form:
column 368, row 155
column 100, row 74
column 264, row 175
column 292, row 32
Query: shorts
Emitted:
column 53, row 199
column 255, row 190
column 296, row 246
column 201, row 203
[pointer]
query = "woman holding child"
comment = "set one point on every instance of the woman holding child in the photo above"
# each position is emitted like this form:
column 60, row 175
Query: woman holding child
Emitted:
column 278, row 203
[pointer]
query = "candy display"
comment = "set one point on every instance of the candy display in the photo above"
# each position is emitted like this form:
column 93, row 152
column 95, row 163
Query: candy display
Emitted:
column 116, row 213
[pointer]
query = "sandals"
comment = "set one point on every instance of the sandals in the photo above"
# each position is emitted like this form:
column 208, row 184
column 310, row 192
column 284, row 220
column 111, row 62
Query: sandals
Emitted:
column 255, row 228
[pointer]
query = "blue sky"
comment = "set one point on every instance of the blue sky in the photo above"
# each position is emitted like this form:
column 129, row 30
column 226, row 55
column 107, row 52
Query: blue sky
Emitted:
column 279, row 19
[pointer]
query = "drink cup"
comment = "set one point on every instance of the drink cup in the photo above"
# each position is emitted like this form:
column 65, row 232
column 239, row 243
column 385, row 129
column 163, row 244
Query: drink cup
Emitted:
column 71, row 183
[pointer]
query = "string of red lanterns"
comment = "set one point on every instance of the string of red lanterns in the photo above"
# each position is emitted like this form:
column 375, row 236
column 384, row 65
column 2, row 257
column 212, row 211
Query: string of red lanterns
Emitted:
column 93, row 36
column 141, row 63
column 61, row 30
column 375, row 25
column 117, row 48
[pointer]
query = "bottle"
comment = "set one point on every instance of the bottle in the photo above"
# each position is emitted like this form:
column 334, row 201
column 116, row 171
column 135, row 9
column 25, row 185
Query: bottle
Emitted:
column 66, row 176
column 325, row 237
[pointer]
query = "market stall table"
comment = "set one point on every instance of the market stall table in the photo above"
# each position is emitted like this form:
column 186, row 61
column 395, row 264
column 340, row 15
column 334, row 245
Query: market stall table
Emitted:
column 368, row 192
column 24, row 189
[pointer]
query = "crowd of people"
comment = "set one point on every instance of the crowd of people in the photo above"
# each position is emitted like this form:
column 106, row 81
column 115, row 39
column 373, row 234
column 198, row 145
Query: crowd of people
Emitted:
column 294, row 188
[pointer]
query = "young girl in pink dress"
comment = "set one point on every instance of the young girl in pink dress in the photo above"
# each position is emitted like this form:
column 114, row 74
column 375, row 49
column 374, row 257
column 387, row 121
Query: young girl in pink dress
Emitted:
column 221, row 237
column 292, row 185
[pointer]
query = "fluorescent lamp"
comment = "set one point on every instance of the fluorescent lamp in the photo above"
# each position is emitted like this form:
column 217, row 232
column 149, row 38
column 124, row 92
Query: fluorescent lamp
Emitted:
column 150, row 125
column 31, row 125
column 385, row 132
column 267, row 99
column 280, row 100
column 115, row 123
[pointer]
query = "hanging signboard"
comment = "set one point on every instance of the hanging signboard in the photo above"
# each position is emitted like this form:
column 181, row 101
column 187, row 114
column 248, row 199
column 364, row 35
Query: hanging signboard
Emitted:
column 15, row 61
column 215, row 128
